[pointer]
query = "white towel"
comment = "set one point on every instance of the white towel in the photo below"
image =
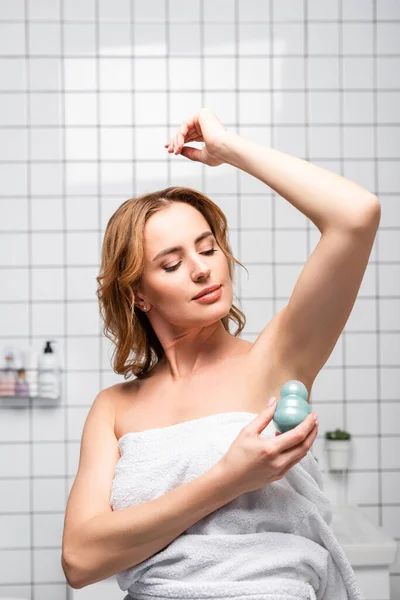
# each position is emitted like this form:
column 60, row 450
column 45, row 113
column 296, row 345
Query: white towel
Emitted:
column 273, row 543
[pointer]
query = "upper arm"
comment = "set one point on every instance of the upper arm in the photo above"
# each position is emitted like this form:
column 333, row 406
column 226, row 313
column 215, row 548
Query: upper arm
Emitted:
column 306, row 330
column 99, row 453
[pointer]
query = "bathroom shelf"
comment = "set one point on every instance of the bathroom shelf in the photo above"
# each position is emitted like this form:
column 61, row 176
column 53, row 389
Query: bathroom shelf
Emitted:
column 25, row 399
column 27, row 402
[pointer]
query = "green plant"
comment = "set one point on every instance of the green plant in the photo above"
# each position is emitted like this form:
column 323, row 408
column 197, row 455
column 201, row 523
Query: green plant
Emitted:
column 338, row 434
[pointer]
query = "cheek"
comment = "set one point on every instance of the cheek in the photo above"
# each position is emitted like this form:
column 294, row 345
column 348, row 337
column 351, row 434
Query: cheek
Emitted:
column 169, row 289
column 224, row 265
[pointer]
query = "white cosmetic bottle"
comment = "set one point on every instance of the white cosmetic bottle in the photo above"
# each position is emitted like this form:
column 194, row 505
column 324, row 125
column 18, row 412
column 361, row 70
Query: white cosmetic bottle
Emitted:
column 49, row 373
column 31, row 363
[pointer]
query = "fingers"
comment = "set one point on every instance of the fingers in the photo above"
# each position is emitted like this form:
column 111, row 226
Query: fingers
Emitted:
column 258, row 424
column 296, row 435
column 192, row 153
column 187, row 132
column 176, row 143
column 172, row 144
column 178, row 139
column 201, row 126
column 294, row 455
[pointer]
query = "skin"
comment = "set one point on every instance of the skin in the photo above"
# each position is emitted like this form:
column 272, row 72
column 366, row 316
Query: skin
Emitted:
column 191, row 333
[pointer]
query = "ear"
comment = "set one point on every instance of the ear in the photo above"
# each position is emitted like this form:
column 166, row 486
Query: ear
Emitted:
column 139, row 299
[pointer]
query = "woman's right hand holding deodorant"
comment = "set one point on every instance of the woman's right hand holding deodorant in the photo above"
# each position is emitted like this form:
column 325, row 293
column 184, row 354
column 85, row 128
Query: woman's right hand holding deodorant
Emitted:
column 251, row 462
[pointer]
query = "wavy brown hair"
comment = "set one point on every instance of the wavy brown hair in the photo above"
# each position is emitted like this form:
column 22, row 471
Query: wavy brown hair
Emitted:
column 137, row 348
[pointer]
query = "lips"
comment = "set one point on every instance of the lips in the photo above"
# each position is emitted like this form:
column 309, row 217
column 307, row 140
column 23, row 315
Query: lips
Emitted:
column 207, row 290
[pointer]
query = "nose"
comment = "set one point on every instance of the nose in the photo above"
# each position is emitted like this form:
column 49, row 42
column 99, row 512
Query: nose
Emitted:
column 201, row 269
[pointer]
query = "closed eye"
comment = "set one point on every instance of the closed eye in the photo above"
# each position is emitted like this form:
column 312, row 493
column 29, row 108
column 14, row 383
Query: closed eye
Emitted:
column 174, row 267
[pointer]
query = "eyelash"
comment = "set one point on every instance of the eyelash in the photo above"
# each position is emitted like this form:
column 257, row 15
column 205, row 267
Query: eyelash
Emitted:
column 174, row 267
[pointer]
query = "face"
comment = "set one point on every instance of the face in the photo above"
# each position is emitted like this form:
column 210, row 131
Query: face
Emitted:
column 171, row 280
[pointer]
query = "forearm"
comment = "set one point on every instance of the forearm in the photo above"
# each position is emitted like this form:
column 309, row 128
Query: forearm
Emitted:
column 112, row 542
column 327, row 199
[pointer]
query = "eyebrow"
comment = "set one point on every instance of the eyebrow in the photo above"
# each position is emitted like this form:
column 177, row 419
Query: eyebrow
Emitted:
column 201, row 237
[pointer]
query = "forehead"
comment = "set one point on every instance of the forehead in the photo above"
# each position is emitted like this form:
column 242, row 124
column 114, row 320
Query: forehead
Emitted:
column 168, row 226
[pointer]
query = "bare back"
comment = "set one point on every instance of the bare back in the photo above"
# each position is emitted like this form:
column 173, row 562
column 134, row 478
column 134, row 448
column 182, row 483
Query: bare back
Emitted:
column 234, row 384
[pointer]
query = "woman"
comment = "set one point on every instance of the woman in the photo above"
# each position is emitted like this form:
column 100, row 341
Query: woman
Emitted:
column 134, row 495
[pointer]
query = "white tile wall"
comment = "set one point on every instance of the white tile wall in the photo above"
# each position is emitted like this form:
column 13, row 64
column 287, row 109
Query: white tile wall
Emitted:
column 89, row 93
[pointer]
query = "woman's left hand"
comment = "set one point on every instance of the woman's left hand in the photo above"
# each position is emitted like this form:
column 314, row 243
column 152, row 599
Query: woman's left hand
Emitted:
column 203, row 126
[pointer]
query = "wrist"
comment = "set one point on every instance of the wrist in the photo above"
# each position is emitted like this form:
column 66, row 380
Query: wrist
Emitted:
column 227, row 147
column 225, row 481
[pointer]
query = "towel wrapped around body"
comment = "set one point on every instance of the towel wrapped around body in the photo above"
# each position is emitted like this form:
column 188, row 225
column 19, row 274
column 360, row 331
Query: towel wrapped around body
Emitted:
column 274, row 543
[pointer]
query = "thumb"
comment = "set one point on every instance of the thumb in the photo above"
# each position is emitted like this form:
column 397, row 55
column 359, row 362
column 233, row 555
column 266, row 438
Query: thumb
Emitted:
column 258, row 424
column 191, row 153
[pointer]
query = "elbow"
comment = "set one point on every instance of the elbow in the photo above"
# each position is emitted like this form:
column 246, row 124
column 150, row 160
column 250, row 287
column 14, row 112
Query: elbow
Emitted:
column 374, row 212
column 72, row 573
column 370, row 217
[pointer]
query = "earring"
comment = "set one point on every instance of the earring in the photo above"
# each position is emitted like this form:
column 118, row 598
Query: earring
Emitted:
column 144, row 307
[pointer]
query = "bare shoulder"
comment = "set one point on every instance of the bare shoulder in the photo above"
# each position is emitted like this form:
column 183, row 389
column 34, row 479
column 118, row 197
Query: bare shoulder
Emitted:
column 119, row 400
column 117, row 394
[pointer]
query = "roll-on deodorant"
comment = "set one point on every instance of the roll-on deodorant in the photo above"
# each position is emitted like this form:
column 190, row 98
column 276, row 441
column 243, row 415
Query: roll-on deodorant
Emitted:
column 292, row 407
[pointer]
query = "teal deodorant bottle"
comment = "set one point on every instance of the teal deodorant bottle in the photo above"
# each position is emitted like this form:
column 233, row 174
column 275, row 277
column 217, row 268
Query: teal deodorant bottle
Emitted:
column 292, row 407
